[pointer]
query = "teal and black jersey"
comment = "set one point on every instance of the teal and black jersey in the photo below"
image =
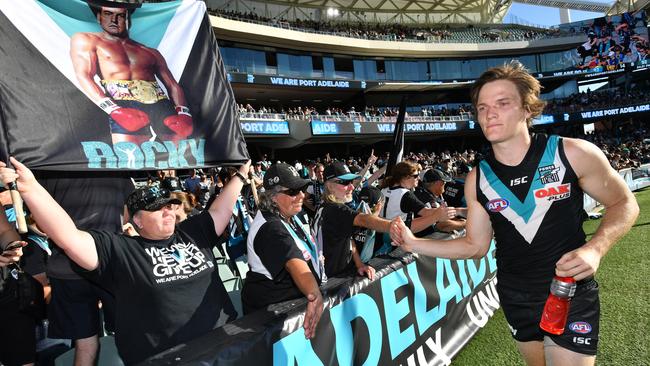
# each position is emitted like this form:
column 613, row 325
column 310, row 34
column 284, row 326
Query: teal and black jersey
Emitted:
column 536, row 210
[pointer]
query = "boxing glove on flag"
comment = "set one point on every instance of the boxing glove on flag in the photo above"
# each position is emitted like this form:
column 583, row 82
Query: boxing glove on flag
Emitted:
column 128, row 118
column 181, row 123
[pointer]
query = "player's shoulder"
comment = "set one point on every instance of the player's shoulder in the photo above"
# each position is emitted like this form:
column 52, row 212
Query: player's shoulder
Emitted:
column 578, row 148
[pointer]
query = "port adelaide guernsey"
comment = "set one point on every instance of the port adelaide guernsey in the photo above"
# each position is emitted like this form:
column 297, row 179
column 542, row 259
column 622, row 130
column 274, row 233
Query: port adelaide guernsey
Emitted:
column 536, row 210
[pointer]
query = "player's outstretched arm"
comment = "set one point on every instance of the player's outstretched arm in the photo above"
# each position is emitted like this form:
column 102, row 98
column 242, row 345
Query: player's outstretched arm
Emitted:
column 474, row 244
column 51, row 217
column 599, row 180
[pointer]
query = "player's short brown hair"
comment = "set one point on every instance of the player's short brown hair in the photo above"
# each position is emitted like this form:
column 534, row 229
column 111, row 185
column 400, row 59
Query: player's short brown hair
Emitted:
column 529, row 88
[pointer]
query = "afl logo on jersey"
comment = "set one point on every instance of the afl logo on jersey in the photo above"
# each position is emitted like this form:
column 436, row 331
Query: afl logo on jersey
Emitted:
column 580, row 327
column 497, row 205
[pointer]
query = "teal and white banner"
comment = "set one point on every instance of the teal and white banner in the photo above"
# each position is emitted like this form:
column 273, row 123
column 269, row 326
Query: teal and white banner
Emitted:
column 105, row 85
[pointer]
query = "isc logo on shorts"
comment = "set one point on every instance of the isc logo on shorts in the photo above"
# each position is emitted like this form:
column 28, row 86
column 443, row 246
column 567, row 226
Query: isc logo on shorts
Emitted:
column 497, row 205
column 580, row 327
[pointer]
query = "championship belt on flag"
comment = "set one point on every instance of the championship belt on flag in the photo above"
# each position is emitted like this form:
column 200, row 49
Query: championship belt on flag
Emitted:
column 143, row 91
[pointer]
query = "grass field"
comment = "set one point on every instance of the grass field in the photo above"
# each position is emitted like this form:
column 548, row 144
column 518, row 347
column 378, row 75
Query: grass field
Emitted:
column 624, row 278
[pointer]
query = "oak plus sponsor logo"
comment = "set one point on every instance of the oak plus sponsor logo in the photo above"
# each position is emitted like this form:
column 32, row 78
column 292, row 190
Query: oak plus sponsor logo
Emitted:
column 549, row 174
column 555, row 193
column 497, row 205
column 179, row 261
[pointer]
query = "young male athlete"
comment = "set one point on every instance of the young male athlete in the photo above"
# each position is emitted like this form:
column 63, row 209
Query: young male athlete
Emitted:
column 529, row 193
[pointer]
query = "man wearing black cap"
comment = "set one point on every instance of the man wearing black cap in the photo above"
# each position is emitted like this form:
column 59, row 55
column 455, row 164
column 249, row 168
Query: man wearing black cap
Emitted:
column 165, row 283
column 431, row 192
column 283, row 258
column 335, row 223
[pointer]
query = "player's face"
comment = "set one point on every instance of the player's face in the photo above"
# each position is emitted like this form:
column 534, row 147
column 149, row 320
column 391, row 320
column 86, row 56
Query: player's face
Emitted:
column 113, row 21
column 501, row 113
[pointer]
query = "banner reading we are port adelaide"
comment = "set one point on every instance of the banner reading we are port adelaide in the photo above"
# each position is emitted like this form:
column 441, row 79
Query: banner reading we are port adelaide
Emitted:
column 96, row 84
column 419, row 311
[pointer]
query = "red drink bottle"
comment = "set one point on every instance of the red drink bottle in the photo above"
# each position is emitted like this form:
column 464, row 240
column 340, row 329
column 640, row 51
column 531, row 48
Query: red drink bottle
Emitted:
column 556, row 309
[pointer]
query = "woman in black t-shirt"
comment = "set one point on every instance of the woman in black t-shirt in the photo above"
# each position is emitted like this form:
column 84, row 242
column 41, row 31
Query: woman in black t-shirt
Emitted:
column 166, row 286
column 283, row 258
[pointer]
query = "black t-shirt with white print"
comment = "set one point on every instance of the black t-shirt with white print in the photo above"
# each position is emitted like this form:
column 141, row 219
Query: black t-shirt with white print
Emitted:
column 337, row 228
column 274, row 246
column 167, row 291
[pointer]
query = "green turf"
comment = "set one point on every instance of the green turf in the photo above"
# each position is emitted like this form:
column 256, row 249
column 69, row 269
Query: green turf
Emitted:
column 624, row 278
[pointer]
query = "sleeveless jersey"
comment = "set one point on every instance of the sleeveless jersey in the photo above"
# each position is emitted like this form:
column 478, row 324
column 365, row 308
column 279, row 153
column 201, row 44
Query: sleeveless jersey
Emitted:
column 536, row 210
column 392, row 203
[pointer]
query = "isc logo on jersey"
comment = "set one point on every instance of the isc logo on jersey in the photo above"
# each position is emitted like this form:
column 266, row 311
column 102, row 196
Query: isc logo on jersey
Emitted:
column 580, row 327
column 554, row 193
column 497, row 205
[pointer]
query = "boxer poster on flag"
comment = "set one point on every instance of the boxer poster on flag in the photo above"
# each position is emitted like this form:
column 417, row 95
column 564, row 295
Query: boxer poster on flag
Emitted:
column 97, row 84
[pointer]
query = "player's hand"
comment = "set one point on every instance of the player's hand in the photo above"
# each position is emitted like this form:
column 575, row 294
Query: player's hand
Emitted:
column 580, row 263
column 23, row 177
column 313, row 313
column 367, row 271
column 400, row 234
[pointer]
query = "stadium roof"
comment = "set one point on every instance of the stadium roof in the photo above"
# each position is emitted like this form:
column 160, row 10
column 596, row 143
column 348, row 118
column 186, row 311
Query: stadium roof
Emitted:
column 409, row 11
column 597, row 7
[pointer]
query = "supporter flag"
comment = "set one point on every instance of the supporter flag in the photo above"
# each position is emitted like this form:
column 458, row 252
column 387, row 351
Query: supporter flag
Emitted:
column 397, row 150
column 102, row 85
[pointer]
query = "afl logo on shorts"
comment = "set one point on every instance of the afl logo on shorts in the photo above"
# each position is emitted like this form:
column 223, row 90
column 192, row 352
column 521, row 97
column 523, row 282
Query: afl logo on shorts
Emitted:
column 580, row 327
column 497, row 205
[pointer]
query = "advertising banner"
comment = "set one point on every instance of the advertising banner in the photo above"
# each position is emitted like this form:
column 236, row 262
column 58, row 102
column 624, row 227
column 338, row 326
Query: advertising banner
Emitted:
column 373, row 128
column 420, row 311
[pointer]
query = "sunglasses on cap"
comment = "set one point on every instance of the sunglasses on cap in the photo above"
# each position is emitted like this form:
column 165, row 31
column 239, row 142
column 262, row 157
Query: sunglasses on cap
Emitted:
column 151, row 195
column 294, row 191
column 344, row 182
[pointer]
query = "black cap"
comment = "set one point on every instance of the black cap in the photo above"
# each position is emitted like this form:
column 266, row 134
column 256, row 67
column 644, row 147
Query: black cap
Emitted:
column 370, row 195
column 434, row 175
column 338, row 170
column 281, row 174
column 172, row 184
column 149, row 199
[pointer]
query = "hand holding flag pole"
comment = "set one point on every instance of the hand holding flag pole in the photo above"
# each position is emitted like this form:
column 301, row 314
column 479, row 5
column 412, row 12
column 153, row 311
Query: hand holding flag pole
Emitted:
column 17, row 202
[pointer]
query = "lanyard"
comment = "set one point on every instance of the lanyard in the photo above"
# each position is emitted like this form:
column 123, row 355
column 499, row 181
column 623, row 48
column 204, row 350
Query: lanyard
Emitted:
column 306, row 244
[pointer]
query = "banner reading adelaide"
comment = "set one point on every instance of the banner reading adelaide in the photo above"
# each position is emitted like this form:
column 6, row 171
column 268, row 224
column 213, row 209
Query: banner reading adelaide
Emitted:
column 109, row 85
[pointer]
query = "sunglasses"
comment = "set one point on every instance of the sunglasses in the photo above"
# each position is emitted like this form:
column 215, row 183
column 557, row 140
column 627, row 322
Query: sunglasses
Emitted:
column 294, row 191
column 416, row 176
column 344, row 182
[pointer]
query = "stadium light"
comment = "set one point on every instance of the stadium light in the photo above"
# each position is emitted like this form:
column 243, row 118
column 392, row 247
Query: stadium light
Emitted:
column 332, row 12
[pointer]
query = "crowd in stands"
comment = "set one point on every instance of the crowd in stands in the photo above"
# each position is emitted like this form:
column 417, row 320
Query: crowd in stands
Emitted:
column 629, row 148
column 304, row 112
column 613, row 44
column 590, row 100
column 577, row 102
column 466, row 33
